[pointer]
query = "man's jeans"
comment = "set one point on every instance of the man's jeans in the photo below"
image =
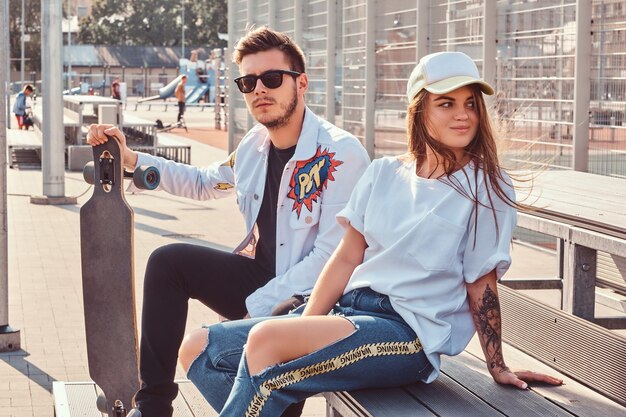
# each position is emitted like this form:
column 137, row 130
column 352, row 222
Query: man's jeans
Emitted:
column 383, row 351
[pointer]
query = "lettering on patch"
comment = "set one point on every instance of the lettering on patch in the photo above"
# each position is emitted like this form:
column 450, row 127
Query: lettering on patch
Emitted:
column 310, row 178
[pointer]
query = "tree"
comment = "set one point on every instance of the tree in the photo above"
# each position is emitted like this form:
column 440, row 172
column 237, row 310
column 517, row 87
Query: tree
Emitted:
column 154, row 23
column 32, row 23
column 107, row 23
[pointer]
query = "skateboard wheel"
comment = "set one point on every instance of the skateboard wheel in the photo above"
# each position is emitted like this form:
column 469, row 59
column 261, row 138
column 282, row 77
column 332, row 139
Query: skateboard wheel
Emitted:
column 101, row 404
column 89, row 172
column 146, row 177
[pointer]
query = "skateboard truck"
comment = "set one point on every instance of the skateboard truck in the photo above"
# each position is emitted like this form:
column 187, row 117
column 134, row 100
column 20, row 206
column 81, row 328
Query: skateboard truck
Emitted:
column 144, row 177
column 118, row 408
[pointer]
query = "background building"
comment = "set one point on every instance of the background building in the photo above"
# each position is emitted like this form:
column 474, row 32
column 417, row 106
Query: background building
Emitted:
column 556, row 65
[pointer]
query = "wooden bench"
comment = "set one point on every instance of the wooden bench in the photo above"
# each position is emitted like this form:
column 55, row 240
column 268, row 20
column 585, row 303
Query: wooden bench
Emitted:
column 24, row 149
column 78, row 399
column 466, row 389
column 590, row 358
column 586, row 214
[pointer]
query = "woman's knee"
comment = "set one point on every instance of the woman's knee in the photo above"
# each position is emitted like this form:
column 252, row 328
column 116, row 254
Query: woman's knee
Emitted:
column 264, row 346
column 278, row 341
column 263, row 333
column 193, row 345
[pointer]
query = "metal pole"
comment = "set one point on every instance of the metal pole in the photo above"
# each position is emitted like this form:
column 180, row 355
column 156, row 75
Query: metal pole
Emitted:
column 298, row 21
column 6, row 63
column 231, row 71
column 9, row 338
column 22, row 46
column 183, row 28
column 489, row 45
column 271, row 11
column 53, row 141
column 370, row 75
column 582, row 86
column 4, row 302
column 69, row 44
column 331, row 58
column 251, row 20
column 421, row 43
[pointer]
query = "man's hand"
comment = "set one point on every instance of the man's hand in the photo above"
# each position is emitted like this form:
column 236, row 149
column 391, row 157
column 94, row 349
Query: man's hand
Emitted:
column 97, row 135
column 520, row 379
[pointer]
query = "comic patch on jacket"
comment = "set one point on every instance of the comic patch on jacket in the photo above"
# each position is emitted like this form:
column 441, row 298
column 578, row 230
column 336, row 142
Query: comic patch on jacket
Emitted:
column 311, row 177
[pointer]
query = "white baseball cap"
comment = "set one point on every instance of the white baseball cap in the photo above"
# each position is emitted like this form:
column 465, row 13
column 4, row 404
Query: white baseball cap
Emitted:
column 442, row 72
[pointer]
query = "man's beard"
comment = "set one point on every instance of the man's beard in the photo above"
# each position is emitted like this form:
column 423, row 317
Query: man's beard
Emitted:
column 282, row 120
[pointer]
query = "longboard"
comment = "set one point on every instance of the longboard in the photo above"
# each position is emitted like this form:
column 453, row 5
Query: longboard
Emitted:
column 106, row 234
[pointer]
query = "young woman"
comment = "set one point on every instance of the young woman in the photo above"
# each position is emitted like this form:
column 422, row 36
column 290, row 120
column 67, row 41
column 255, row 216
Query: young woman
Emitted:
column 427, row 236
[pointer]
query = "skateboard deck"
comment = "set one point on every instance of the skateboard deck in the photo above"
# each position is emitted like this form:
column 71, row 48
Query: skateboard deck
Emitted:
column 106, row 237
column 170, row 126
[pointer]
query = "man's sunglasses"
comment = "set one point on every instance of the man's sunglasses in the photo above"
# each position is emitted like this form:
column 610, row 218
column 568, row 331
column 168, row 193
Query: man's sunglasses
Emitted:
column 270, row 79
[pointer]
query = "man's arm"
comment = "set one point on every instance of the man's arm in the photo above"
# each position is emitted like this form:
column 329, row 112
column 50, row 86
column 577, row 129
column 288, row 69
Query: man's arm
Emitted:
column 485, row 308
column 214, row 181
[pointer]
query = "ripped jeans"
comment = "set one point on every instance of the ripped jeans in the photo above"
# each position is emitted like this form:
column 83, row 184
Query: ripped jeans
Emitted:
column 383, row 351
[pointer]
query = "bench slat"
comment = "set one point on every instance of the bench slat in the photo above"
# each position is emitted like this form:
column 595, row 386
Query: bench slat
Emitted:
column 75, row 399
column 574, row 195
column 447, row 398
column 195, row 400
column 470, row 372
column 341, row 404
column 390, row 402
column 574, row 397
column 181, row 408
column 570, row 344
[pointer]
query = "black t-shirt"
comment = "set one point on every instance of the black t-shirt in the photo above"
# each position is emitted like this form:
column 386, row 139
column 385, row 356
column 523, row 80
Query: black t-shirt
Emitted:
column 266, row 221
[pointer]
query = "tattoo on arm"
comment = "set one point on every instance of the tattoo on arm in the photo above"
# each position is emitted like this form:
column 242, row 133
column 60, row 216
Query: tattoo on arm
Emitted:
column 486, row 314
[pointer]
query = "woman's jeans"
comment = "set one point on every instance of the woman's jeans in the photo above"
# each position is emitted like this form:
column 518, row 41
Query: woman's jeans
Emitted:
column 383, row 351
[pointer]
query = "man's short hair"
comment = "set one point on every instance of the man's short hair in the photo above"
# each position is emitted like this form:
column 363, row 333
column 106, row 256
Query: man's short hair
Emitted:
column 265, row 39
column 184, row 77
column 29, row 87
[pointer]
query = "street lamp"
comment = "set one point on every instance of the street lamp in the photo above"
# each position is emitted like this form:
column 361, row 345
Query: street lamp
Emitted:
column 183, row 26
column 22, row 46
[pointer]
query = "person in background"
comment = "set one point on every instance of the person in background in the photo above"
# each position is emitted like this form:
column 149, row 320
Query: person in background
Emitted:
column 116, row 92
column 180, row 97
column 210, row 79
column 21, row 106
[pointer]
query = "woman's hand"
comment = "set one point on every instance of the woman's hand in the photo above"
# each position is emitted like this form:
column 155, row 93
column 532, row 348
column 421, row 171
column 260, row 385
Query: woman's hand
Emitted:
column 520, row 379
column 97, row 135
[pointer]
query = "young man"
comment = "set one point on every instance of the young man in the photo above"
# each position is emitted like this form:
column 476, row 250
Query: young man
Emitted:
column 20, row 105
column 291, row 173
column 180, row 96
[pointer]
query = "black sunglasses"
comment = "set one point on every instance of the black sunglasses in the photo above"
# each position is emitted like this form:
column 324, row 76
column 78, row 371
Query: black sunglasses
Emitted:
column 270, row 79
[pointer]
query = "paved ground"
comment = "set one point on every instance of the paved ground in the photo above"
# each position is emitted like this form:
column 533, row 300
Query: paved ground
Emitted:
column 44, row 269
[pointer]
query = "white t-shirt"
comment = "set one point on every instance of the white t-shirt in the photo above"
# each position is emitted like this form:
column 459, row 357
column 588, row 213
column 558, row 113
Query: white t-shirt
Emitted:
column 421, row 251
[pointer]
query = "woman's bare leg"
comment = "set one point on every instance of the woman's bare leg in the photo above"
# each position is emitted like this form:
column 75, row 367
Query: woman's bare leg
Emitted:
column 277, row 341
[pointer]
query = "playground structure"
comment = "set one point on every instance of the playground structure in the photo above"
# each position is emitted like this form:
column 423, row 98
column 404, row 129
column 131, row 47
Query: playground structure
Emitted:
column 205, row 87
column 200, row 82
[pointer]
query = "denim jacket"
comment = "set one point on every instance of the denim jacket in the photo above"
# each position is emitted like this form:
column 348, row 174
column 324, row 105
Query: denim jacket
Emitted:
column 19, row 107
column 316, row 184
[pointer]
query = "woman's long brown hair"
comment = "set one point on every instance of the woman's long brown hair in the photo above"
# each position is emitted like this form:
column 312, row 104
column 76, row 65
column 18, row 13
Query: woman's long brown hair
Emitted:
column 482, row 151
